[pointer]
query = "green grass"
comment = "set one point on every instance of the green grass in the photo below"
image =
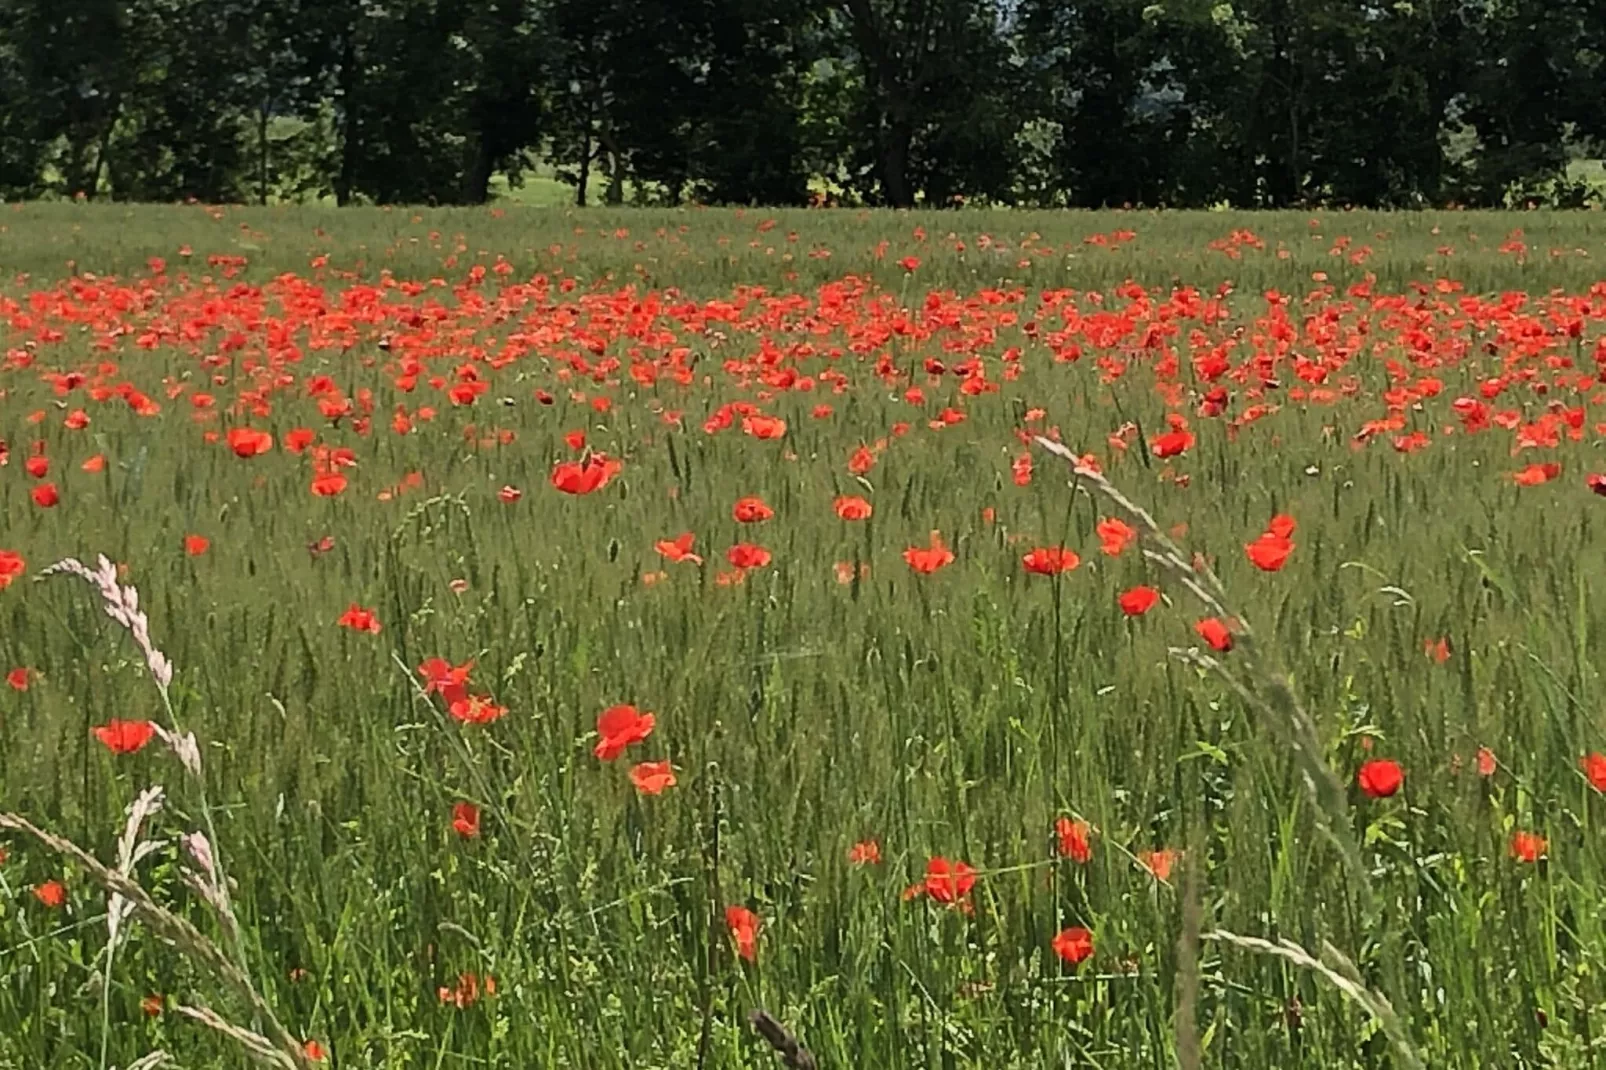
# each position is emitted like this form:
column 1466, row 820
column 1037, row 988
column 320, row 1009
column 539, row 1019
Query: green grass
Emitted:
column 957, row 714
column 710, row 251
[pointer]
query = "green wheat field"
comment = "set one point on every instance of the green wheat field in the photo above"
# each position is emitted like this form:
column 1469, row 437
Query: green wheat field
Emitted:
column 327, row 447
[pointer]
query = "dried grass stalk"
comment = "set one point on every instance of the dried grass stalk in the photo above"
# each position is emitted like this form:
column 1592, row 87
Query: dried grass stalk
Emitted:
column 175, row 930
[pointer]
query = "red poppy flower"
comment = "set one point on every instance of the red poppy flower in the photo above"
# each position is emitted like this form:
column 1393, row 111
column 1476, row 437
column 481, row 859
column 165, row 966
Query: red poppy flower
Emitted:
column 861, row 461
column 328, row 485
column 476, row 709
column 1282, row 525
column 763, row 427
column 248, row 442
column 1528, row 846
column 1172, row 443
column 1050, row 560
column 651, row 778
column 679, row 548
column 845, row 572
column 11, row 566
column 573, row 477
column 196, row 545
column 1535, row 474
column 751, row 511
column 467, row 991
column 1138, row 601
column 1215, row 633
column 1074, row 839
column 449, row 681
column 743, row 925
column 38, row 467
column 745, row 555
column 1021, row 470
column 1074, row 945
column 18, row 678
column 51, row 893
column 510, row 494
column 314, row 1051
column 1596, row 481
column 466, row 820
column 125, row 737
column 1594, row 767
column 94, row 464
column 1437, row 649
column 45, row 496
column 928, row 559
column 152, row 1006
column 619, row 727
column 948, row 882
column 909, row 263
column 1114, row 535
column 865, row 853
column 575, row 440
column 359, row 619
column 1160, row 863
column 1380, row 777
column 850, row 508
column 1269, row 552
column 297, row 439
column 1486, row 762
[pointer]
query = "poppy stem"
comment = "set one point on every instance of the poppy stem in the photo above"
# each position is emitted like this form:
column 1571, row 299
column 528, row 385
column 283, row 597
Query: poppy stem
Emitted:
column 715, row 914
column 1187, row 1025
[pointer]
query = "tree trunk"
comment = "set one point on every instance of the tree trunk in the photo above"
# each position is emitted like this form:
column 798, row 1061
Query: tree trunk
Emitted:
column 262, row 153
column 895, row 147
column 477, row 176
column 616, row 180
column 350, row 139
column 103, row 149
column 585, row 163
column 615, row 194
column 1296, row 183
column 1286, row 183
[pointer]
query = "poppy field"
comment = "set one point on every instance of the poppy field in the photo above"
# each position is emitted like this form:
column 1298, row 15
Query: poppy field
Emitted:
column 521, row 638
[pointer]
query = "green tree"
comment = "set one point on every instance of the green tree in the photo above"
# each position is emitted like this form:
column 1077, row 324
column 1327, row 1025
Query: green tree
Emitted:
column 25, row 132
column 747, row 126
column 68, row 67
column 681, row 96
column 430, row 97
column 1108, row 77
column 1523, row 86
column 935, row 98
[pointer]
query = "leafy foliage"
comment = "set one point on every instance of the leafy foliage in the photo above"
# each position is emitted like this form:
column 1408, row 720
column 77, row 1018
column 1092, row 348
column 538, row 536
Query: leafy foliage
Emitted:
column 897, row 102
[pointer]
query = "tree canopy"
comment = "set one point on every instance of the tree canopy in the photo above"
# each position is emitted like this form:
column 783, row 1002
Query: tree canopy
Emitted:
column 1253, row 103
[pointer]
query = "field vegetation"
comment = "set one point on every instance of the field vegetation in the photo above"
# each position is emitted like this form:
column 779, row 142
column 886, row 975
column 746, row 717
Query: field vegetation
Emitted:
column 568, row 632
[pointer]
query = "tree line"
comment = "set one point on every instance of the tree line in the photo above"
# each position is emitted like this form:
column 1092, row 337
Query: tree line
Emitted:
column 1270, row 103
